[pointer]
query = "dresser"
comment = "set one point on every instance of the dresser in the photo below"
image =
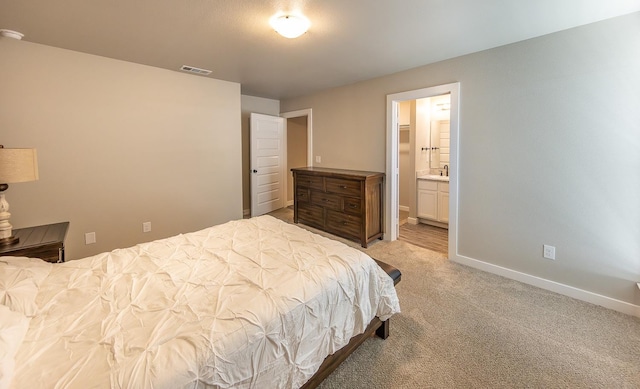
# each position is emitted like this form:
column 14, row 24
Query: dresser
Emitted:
column 346, row 203
column 45, row 242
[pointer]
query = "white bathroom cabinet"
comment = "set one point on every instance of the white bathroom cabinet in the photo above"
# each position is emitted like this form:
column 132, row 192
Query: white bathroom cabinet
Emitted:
column 433, row 201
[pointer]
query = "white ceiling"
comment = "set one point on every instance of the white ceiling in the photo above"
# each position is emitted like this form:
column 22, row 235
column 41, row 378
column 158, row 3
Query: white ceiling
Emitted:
column 349, row 40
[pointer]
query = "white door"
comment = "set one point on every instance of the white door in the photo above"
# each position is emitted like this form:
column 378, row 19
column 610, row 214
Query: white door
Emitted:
column 267, row 163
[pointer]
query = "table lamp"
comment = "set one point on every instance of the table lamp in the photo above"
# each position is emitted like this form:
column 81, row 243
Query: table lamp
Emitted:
column 16, row 165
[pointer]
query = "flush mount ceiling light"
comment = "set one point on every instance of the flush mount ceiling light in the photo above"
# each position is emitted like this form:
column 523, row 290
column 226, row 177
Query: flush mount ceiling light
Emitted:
column 290, row 26
column 11, row 34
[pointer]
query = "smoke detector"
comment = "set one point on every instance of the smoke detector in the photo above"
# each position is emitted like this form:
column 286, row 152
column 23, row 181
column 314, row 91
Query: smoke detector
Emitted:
column 11, row 34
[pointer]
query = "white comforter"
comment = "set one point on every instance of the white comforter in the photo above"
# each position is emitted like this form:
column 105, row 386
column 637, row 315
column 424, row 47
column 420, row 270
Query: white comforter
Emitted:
column 253, row 303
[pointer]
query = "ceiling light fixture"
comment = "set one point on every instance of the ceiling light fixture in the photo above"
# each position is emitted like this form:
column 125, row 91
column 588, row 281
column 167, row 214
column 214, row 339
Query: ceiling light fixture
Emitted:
column 290, row 26
column 11, row 34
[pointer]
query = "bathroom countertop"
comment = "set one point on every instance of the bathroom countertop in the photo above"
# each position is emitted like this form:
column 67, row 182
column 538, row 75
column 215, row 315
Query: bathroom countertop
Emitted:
column 434, row 177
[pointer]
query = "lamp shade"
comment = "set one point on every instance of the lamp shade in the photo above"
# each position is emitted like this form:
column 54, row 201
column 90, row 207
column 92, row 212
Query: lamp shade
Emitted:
column 18, row 165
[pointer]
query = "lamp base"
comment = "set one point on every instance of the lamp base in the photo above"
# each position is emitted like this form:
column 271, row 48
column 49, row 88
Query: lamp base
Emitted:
column 9, row 241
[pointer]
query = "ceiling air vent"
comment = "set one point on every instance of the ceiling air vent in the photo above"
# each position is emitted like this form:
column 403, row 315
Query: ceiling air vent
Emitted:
column 191, row 69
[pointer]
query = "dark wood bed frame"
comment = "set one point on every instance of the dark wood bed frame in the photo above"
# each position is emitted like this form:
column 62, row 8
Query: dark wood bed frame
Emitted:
column 380, row 328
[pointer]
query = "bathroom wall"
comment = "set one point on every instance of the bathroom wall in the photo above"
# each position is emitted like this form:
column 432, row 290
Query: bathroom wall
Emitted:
column 406, row 173
column 423, row 123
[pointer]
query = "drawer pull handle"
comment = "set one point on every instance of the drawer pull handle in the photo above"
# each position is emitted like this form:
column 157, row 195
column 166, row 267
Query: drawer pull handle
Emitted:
column 352, row 206
column 343, row 186
column 325, row 200
column 344, row 223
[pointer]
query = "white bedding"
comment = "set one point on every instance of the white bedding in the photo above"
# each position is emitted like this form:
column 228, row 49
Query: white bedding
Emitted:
column 253, row 303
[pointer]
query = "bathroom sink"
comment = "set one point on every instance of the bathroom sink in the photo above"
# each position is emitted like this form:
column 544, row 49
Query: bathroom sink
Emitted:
column 435, row 177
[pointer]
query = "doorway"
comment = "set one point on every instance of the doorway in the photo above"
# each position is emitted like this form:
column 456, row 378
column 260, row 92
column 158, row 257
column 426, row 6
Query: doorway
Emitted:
column 286, row 149
column 423, row 147
column 299, row 145
column 296, row 140
column 392, row 206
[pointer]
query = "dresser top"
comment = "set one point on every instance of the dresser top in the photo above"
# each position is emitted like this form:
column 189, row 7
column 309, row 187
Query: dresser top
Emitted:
column 336, row 172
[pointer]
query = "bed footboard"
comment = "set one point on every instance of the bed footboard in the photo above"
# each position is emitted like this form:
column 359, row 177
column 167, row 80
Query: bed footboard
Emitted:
column 380, row 328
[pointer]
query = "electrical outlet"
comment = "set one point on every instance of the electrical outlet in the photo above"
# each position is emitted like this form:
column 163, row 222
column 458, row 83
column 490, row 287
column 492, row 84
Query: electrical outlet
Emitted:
column 146, row 227
column 549, row 252
column 318, row 159
column 90, row 238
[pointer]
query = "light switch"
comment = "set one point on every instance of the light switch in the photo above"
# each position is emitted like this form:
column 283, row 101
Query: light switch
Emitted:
column 90, row 238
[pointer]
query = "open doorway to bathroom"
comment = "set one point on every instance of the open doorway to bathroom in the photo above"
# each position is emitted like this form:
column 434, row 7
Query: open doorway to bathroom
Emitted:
column 426, row 164
column 424, row 161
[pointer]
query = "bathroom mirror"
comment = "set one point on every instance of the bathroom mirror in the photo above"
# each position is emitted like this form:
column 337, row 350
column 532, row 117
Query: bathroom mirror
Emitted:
column 439, row 138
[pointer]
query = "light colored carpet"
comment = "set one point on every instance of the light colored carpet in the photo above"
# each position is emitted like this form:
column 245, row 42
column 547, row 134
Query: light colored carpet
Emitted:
column 463, row 328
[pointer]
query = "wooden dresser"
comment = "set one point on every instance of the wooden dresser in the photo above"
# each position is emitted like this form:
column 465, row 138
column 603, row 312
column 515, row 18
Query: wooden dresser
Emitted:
column 347, row 203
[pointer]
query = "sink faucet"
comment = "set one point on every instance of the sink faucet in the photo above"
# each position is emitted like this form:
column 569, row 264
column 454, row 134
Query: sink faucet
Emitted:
column 446, row 169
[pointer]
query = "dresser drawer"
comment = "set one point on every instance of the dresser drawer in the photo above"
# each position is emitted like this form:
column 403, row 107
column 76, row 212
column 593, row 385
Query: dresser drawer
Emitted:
column 344, row 187
column 308, row 181
column 311, row 214
column 302, row 194
column 327, row 200
column 50, row 253
column 344, row 223
column 352, row 206
column 427, row 184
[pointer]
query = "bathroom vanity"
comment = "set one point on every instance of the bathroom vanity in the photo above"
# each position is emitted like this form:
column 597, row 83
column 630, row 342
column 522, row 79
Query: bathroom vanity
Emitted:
column 433, row 200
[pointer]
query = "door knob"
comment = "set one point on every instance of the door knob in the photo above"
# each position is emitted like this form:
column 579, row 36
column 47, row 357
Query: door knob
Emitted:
column 255, row 171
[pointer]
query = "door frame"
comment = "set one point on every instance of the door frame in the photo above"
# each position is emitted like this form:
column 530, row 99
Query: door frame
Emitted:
column 294, row 114
column 393, row 169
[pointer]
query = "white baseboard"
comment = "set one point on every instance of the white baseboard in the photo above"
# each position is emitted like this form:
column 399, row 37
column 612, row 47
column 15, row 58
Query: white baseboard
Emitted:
column 289, row 203
column 412, row 220
column 403, row 208
column 580, row 294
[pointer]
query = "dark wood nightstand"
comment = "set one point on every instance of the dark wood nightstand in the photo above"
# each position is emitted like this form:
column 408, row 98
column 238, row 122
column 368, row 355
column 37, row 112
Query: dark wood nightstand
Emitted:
column 44, row 242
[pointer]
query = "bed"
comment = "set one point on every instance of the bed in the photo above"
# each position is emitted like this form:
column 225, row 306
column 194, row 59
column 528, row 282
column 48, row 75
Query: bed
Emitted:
column 256, row 303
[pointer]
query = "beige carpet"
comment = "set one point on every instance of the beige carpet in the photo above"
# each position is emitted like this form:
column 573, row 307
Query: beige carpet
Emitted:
column 463, row 328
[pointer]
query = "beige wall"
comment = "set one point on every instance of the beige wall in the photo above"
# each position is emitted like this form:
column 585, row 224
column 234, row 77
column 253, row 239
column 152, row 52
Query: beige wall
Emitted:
column 119, row 144
column 296, row 149
column 549, row 151
column 404, row 145
column 256, row 105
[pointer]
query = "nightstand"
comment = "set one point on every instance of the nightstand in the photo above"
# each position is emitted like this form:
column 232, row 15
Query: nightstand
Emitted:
column 44, row 242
